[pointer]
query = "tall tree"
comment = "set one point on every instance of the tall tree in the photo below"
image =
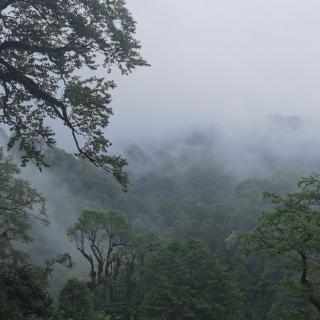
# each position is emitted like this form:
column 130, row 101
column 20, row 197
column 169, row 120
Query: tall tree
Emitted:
column 289, row 236
column 116, row 256
column 24, row 289
column 19, row 204
column 75, row 300
column 98, row 237
column 49, row 51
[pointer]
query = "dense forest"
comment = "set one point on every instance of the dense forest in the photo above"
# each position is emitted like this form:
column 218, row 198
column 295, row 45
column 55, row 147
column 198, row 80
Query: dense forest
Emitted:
column 190, row 239
column 206, row 225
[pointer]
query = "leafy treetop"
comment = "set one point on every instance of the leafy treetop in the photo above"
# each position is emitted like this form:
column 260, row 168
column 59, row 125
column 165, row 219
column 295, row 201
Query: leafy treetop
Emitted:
column 49, row 51
column 97, row 236
column 290, row 236
column 183, row 280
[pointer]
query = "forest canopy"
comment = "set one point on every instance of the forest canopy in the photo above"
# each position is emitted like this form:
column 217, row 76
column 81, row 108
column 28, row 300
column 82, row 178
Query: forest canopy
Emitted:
column 216, row 225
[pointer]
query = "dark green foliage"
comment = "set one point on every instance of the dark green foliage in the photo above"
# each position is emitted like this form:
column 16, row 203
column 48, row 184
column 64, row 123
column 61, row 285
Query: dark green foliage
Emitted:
column 49, row 52
column 199, row 221
column 183, row 280
column 24, row 292
column 99, row 236
column 291, row 305
column 75, row 301
column 133, row 277
column 24, row 289
column 289, row 235
column 19, row 203
column 115, row 255
column 121, row 296
column 162, row 202
column 171, row 210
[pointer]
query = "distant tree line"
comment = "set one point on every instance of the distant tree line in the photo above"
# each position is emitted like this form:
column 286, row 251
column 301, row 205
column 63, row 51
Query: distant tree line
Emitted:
column 244, row 258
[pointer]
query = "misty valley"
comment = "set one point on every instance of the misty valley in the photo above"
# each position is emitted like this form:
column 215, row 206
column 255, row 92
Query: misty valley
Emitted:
column 191, row 192
column 191, row 239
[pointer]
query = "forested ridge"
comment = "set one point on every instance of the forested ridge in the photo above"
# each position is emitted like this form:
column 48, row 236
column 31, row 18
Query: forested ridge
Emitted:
column 176, row 220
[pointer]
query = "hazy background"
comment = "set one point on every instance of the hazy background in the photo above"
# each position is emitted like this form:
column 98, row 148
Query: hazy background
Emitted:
column 226, row 64
column 246, row 72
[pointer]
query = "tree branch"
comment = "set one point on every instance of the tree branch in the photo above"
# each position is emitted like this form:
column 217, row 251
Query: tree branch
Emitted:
column 304, row 280
column 19, row 45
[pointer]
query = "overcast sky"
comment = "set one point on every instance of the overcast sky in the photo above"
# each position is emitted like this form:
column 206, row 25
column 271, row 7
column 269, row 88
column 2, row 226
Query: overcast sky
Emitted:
column 217, row 62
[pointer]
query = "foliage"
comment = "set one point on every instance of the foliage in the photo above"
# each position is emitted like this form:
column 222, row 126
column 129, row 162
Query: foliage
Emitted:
column 116, row 256
column 75, row 301
column 103, row 316
column 292, row 304
column 166, row 203
column 24, row 292
column 121, row 296
column 104, row 233
column 19, row 203
column 198, row 221
column 47, row 70
column 290, row 235
column 183, row 280
column 162, row 202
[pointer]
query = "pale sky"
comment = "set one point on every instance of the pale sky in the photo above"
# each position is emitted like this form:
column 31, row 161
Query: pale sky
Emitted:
column 219, row 62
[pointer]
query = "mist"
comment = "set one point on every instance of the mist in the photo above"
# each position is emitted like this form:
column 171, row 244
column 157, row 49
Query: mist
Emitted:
column 228, row 63
column 226, row 67
column 232, row 85
column 228, row 108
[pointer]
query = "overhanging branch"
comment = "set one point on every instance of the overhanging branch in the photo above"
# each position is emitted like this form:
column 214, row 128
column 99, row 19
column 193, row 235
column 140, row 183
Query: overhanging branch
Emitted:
column 19, row 45
column 59, row 107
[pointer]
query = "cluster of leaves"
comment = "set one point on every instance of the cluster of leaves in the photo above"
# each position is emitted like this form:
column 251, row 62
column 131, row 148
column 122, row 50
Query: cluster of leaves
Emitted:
column 135, row 276
column 19, row 203
column 47, row 52
column 290, row 235
column 183, row 280
column 24, row 292
column 24, row 289
column 115, row 255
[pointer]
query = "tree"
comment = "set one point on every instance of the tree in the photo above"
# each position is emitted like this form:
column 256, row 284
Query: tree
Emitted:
column 24, row 292
column 19, row 203
column 98, row 237
column 289, row 236
column 75, row 300
column 24, row 289
column 116, row 255
column 122, row 295
column 49, row 51
column 183, row 280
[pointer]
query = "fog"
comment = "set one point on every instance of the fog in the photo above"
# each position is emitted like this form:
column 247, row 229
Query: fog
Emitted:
column 231, row 82
column 228, row 63
column 234, row 81
column 220, row 66
column 237, row 81
column 221, row 132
